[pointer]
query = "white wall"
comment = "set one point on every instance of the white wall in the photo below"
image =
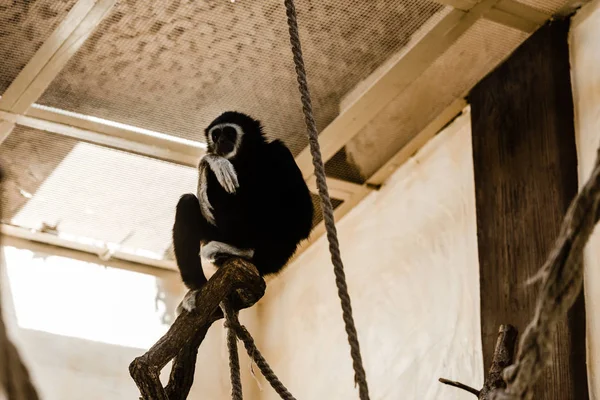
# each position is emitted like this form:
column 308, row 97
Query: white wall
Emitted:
column 585, row 75
column 410, row 252
column 79, row 325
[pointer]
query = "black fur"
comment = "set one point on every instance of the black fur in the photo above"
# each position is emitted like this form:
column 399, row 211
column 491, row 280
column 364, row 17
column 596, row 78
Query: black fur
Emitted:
column 271, row 211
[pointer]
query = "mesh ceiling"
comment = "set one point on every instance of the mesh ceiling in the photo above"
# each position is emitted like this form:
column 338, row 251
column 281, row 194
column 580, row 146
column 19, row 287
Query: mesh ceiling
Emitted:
column 94, row 194
column 174, row 66
column 475, row 54
column 24, row 26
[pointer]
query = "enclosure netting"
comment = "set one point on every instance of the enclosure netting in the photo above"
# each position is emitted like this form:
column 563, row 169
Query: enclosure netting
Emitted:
column 171, row 67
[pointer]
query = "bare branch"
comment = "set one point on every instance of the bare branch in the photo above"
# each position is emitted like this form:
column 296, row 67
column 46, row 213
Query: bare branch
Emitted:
column 237, row 280
column 503, row 356
column 460, row 386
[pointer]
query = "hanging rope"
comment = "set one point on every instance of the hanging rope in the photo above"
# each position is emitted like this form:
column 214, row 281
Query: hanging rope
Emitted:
column 334, row 247
column 234, row 360
column 235, row 328
column 231, row 317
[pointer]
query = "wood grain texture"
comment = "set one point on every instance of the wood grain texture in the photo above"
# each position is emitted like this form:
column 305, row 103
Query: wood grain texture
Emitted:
column 525, row 177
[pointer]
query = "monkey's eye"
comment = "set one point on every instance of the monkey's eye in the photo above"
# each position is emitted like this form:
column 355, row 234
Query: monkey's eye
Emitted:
column 214, row 134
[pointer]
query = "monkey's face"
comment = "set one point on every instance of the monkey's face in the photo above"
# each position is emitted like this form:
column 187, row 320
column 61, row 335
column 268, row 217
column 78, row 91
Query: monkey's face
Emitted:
column 224, row 139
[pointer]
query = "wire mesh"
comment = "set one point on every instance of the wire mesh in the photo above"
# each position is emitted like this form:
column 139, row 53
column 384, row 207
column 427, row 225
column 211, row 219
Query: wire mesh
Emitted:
column 24, row 27
column 173, row 66
column 90, row 193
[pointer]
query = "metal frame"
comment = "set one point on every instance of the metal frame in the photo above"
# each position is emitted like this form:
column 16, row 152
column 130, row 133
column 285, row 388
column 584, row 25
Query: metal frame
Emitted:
column 17, row 105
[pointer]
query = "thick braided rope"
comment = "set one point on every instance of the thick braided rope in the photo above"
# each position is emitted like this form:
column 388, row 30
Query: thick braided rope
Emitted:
column 334, row 248
column 562, row 277
column 235, row 328
column 234, row 360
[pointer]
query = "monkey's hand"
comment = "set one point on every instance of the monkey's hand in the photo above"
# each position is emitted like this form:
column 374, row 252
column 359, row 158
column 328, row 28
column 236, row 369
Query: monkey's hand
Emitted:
column 223, row 170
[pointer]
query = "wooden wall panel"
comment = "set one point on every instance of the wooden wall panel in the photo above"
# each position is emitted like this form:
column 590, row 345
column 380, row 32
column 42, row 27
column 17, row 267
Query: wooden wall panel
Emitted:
column 525, row 177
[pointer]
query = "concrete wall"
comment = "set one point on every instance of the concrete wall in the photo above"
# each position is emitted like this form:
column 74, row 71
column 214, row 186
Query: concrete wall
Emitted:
column 585, row 71
column 410, row 252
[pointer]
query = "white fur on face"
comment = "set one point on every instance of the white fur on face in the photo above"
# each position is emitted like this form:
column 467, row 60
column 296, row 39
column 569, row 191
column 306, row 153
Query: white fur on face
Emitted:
column 238, row 137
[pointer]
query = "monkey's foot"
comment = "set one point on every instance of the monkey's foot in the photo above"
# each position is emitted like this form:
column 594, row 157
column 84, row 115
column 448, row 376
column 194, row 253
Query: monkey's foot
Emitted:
column 188, row 303
column 214, row 250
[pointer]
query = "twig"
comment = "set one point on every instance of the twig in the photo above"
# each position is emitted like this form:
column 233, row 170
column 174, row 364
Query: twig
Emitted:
column 503, row 356
column 460, row 386
column 237, row 280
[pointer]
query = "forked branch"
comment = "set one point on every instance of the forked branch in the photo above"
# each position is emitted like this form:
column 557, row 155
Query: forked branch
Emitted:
column 503, row 356
column 239, row 282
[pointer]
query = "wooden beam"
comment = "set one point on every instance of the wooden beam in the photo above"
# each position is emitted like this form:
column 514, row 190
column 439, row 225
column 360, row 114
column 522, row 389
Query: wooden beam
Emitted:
column 110, row 134
column 338, row 189
column 53, row 55
column 6, row 127
column 100, row 253
column 506, row 12
column 525, row 178
column 389, row 85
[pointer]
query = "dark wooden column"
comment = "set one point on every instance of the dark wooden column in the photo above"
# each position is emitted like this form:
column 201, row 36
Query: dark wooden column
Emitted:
column 525, row 177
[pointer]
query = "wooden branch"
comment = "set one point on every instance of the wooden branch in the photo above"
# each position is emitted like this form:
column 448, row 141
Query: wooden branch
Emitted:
column 239, row 282
column 504, row 353
column 460, row 386
column 15, row 381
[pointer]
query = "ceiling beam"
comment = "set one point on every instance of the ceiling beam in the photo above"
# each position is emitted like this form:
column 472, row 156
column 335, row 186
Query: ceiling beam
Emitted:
column 134, row 140
column 110, row 134
column 6, row 127
column 401, row 74
column 506, row 12
column 53, row 55
column 338, row 188
column 99, row 253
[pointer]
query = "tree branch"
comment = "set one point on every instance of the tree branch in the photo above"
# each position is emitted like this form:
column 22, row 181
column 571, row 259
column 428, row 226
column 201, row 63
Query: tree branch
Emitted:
column 237, row 280
column 460, row 386
column 503, row 356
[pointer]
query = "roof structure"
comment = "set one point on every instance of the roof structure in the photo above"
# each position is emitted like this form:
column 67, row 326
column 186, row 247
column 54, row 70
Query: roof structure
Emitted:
column 104, row 102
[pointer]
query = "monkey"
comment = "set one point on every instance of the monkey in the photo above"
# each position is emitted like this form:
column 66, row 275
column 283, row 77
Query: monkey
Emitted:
column 252, row 202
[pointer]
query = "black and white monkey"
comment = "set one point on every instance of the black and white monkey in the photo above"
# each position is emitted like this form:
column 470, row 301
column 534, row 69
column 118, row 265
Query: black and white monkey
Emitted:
column 252, row 203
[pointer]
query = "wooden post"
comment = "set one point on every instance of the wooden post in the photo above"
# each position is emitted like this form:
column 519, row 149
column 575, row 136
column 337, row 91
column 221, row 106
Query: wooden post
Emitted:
column 525, row 177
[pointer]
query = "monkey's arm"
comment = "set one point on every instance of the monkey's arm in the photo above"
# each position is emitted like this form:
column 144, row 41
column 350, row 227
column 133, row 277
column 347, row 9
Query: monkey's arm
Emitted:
column 293, row 197
column 289, row 211
column 187, row 235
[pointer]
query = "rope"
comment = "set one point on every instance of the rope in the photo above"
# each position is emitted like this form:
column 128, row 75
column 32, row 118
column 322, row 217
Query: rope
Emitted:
column 360, row 377
column 234, row 360
column 231, row 317
column 235, row 328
